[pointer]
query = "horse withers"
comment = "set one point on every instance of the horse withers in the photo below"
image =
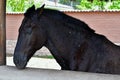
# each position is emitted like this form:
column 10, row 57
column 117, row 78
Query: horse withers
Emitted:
column 74, row 45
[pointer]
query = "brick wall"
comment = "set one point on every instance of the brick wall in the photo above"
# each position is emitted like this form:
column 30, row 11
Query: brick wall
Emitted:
column 12, row 24
column 106, row 23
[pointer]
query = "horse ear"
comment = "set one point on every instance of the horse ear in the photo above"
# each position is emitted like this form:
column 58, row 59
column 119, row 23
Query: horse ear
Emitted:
column 30, row 11
column 40, row 10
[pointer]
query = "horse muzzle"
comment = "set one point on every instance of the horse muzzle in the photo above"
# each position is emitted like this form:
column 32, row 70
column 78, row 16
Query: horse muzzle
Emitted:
column 20, row 61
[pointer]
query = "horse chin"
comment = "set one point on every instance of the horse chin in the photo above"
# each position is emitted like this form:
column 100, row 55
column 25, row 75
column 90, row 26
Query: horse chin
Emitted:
column 20, row 61
column 21, row 65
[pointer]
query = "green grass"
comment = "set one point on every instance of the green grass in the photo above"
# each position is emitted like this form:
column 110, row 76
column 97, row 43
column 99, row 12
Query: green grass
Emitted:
column 44, row 56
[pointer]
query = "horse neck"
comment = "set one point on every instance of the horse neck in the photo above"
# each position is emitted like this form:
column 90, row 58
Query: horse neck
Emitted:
column 57, row 31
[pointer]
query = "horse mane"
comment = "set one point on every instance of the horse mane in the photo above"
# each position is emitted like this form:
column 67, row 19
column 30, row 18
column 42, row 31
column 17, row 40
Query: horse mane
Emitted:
column 73, row 23
column 68, row 21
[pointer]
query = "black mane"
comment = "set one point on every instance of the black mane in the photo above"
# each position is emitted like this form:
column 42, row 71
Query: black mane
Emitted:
column 69, row 21
column 73, row 23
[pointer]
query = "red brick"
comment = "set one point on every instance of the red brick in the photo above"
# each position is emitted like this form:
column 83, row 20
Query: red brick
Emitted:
column 106, row 23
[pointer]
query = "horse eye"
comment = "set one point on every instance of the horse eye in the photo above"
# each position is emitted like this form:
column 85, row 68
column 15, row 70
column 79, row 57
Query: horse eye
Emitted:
column 32, row 24
column 29, row 31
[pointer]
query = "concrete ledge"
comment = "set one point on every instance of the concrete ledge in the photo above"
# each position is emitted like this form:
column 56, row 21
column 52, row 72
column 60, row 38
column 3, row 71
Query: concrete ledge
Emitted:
column 11, row 73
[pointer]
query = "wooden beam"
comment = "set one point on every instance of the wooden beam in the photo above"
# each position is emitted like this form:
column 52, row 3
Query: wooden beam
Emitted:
column 2, row 32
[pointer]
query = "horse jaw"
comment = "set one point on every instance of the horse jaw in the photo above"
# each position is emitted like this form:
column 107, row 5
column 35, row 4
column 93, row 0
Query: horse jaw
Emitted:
column 20, row 61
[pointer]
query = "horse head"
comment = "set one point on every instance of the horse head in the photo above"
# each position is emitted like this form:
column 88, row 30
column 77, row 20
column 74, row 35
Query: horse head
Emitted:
column 28, row 40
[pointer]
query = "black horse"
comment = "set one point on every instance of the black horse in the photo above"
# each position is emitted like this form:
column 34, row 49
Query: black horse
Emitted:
column 74, row 45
